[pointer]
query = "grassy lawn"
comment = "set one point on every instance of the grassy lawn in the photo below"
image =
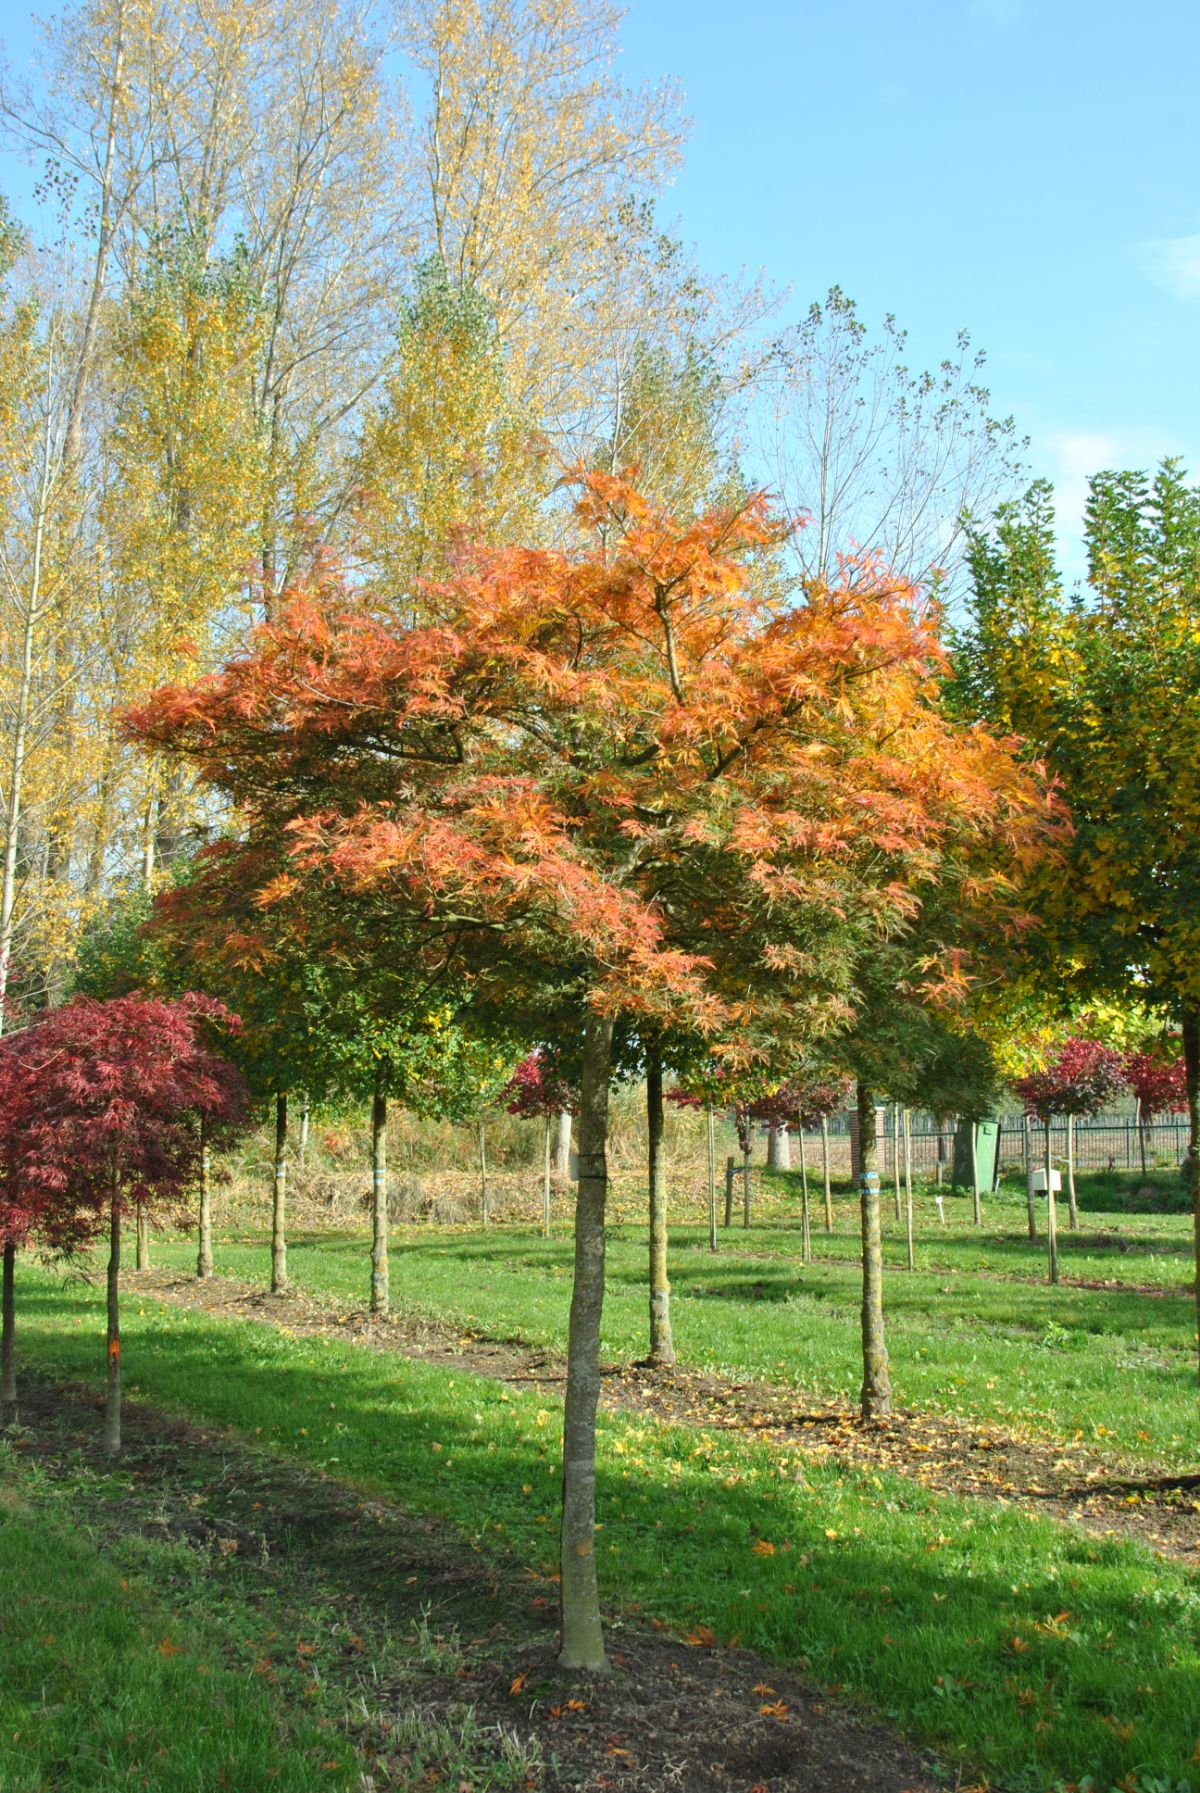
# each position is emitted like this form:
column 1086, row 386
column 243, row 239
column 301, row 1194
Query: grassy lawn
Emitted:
column 1113, row 1368
column 1015, row 1645
column 116, row 1672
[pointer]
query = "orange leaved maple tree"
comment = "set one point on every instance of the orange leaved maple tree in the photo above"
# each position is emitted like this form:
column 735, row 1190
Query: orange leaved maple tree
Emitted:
column 625, row 782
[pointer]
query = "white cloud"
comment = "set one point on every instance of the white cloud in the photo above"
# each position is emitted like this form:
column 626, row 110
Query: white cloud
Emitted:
column 1172, row 263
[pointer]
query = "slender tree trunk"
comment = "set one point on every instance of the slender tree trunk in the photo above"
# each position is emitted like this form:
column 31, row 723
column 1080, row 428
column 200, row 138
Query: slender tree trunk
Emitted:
column 1051, row 1212
column 877, row 1388
column 908, row 1201
column 730, row 1173
column 746, row 1186
column 204, row 1256
column 662, row 1348
column 1030, row 1202
column 279, row 1274
column 825, row 1174
column 143, row 1238
column 112, row 1406
column 711, row 1134
column 562, row 1145
column 805, row 1221
column 581, row 1644
column 779, row 1151
column 977, row 1206
column 483, row 1180
column 8, row 1334
column 379, row 1205
column 546, row 1180
column 1072, row 1200
column 1141, row 1128
column 896, row 1157
column 1191, row 1060
column 302, row 1143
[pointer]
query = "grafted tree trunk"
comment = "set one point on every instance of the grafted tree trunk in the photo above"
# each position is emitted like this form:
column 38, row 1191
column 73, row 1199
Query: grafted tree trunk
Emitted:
column 1051, row 1212
column 1072, row 1199
column 204, row 1257
column 143, row 1237
column 562, row 1144
column 8, row 1332
column 112, row 1404
column 825, row 1174
column 380, row 1294
column 662, row 1349
column 1191, row 1059
column 779, row 1148
column 876, row 1388
column 279, row 1202
column 581, row 1644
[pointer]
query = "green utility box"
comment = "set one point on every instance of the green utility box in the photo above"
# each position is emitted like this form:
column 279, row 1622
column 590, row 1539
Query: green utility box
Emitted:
column 987, row 1155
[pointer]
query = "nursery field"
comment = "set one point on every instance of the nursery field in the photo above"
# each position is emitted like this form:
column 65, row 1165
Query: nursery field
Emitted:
column 1029, row 1526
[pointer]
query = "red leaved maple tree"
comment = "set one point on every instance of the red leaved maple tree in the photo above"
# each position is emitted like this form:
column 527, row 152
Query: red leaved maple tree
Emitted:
column 626, row 781
column 105, row 1106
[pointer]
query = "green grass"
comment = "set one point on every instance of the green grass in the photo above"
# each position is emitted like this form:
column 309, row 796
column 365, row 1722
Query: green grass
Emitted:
column 1112, row 1368
column 103, row 1684
column 1010, row 1643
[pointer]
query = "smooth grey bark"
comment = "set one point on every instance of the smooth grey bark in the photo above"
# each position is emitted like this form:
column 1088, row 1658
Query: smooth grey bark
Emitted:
column 143, row 1238
column 546, row 1178
column 711, row 1132
column 483, row 1174
column 204, row 1256
column 805, row 1221
column 581, row 1642
column 662, row 1348
column 380, row 1292
column 1072, row 1199
column 1030, row 1201
column 279, row 1200
column 112, row 1404
column 1190, row 1029
column 8, row 1338
column 825, row 1174
column 562, row 1144
column 876, row 1398
column 908, row 1199
column 1051, row 1211
column 779, row 1150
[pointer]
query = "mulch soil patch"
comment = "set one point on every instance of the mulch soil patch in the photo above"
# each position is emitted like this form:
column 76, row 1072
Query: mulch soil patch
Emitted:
column 669, row 1717
column 1097, row 1492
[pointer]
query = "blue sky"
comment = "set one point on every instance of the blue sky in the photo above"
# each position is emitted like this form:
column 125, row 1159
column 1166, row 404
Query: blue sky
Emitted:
column 1026, row 171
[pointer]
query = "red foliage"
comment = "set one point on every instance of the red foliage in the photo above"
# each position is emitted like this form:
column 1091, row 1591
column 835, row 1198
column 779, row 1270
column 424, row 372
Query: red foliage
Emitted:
column 100, row 1101
column 534, row 1090
column 1159, row 1085
column 1081, row 1079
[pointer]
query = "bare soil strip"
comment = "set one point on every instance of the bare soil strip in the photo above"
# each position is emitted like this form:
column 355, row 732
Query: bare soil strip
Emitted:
column 1067, row 1481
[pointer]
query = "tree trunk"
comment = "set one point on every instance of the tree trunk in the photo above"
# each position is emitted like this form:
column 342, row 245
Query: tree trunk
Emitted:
column 662, row 1348
column 746, row 1187
column 1141, row 1127
column 546, row 1181
column 711, row 1132
column 877, row 1388
column 279, row 1205
column 908, row 1201
column 1051, row 1212
column 302, row 1143
column 143, row 1238
column 8, row 1331
column 379, row 1205
column 581, row 1644
column 730, row 1173
column 1072, row 1201
column 112, row 1405
column 1191, row 1060
column 562, row 1145
column 805, row 1223
column 825, row 1174
column 779, row 1151
column 1030, row 1202
column 896, row 1157
column 976, row 1205
column 204, row 1257
column 483, row 1182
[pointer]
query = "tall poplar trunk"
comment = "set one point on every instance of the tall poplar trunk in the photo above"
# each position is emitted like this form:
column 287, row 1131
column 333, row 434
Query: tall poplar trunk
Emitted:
column 204, row 1256
column 1051, row 1211
column 279, row 1274
column 380, row 1296
column 546, row 1179
column 1072, row 1200
column 1030, row 1203
column 805, row 1222
column 483, row 1174
column 8, row 1333
column 562, row 1144
column 1191, row 1060
column 711, row 1132
column 825, row 1174
column 143, row 1237
column 581, row 1644
column 662, row 1348
column 112, row 1405
column 779, row 1152
column 876, row 1388
column 908, row 1199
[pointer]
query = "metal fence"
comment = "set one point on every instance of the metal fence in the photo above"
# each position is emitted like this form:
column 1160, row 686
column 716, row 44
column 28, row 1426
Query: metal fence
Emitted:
column 1105, row 1142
